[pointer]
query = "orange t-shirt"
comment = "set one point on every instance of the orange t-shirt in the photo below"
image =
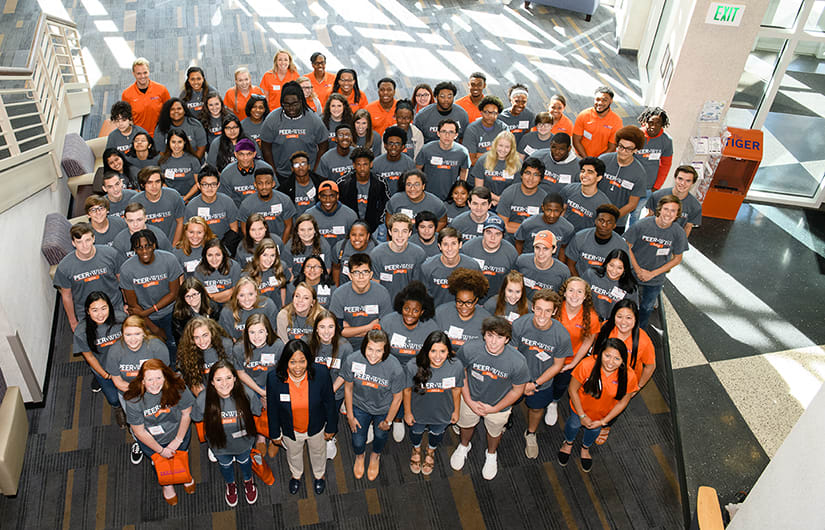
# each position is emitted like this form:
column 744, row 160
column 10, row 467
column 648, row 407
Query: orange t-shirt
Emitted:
column 597, row 409
column 236, row 102
column 146, row 107
column 564, row 125
column 574, row 326
column 299, row 398
column 322, row 89
column 645, row 355
column 272, row 85
column 361, row 104
column 596, row 132
column 470, row 107
column 381, row 119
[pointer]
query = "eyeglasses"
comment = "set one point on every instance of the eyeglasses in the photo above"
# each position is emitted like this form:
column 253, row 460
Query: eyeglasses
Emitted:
column 466, row 303
column 299, row 164
column 191, row 296
column 360, row 274
column 315, row 267
column 448, row 133
column 621, row 147
column 209, row 185
column 96, row 209
column 409, row 184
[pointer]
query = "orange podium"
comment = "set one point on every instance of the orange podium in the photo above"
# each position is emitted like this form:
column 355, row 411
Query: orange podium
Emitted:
column 741, row 155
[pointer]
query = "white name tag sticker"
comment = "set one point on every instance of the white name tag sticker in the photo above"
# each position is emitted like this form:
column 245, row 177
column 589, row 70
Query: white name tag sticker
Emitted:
column 455, row 332
column 169, row 174
column 617, row 293
column 345, row 270
column 512, row 316
column 480, row 262
column 532, row 210
column 663, row 251
column 654, row 156
column 385, row 277
column 276, row 87
column 336, row 364
column 371, row 309
column 276, row 208
column 480, row 228
column 542, row 356
column 477, row 375
column 436, row 160
column 448, row 382
column 267, row 358
column 338, row 230
column 587, row 135
column 239, row 434
column 273, row 281
column 359, row 368
column 156, row 430
column 628, row 185
column 529, row 282
column 311, row 193
column 398, row 340
column 524, row 124
column 565, row 179
column 190, row 265
column 203, row 212
column 407, row 212
column 285, row 398
column 211, row 289
column 322, row 290
column 529, row 150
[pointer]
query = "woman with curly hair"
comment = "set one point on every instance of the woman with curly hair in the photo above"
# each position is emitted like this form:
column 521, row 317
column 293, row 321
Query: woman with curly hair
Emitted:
column 192, row 300
column 256, row 112
column 222, row 149
column 462, row 319
column 582, row 323
column 432, row 402
column 511, row 301
column 497, row 168
column 268, row 272
column 245, row 301
column 173, row 115
column 217, row 271
column 306, row 241
column 190, row 247
column 336, row 112
column 202, row 344
column 297, row 318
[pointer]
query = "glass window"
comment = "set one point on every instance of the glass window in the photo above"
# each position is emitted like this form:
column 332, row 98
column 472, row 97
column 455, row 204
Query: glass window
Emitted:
column 816, row 20
column 759, row 70
column 781, row 13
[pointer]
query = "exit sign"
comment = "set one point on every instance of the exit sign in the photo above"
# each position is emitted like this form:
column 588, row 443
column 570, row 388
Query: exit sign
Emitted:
column 723, row 14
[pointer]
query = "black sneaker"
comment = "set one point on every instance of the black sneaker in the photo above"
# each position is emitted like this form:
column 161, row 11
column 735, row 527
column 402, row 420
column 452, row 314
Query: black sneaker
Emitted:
column 95, row 385
column 136, row 454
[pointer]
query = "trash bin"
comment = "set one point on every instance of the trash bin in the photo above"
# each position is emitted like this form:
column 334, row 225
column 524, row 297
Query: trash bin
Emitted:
column 741, row 156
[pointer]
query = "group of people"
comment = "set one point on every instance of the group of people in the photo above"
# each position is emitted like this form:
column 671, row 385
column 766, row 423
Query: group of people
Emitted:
column 261, row 263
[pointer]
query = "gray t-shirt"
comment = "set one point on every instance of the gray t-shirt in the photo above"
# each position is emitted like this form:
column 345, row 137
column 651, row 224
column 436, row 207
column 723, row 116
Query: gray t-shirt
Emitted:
column 454, row 211
column 430, row 249
column 122, row 143
column 559, row 174
column 343, row 251
column 276, row 210
column 164, row 213
column 373, row 385
column 359, row 309
column 107, row 238
column 606, row 293
column 238, row 441
column 235, row 328
column 536, row 279
column 252, row 129
column 394, row 270
column 105, row 337
column 401, row 203
column 333, row 227
column 260, row 363
column 123, row 242
column 428, row 118
column 119, row 207
column 375, row 146
column 467, row 227
column 460, row 331
column 271, row 287
column 530, row 143
column 489, row 376
column 435, row 406
column 238, row 184
column 581, row 210
column 179, row 173
column 517, row 124
column 540, row 347
column 218, row 214
column 333, row 166
column 495, row 265
column 390, row 172
column 334, row 364
column 497, row 179
column 589, row 253
column 434, row 275
column 190, row 261
column 299, row 258
column 691, row 209
column 305, row 196
column 122, row 361
column 653, row 246
column 151, row 282
column 531, row 226
column 510, row 311
column 516, row 206
column 288, row 135
column 405, row 343
column 159, row 421
column 84, row 277
column 651, row 155
column 192, row 127
column 442, row 167
column 622, row 183
column 362, row 198
column 218, row 282
column 479, row 139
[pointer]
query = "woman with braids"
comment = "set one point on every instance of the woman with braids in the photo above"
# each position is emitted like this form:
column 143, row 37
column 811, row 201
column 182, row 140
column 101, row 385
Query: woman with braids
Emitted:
column 306, row 241
column 297, row 318
column 268, row 272
column 601, row 388
column 202, row 344
column 623, row 324
column 228, row 418
column 256, row 355
column 582, row 323
column 511, row 301
column 158, row 407
column 192, row 301
column 462, row 319
column 431, row 401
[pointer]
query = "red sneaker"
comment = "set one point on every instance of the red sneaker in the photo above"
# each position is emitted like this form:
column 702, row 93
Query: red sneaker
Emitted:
column 250, row 491
column 232, row 494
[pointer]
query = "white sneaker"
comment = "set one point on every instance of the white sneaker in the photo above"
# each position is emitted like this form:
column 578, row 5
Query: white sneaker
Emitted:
column 332, row 449
column 398, row 431
column 211, row 455
column 370, row 435
column 552, row 414
column 490, row 468
column 459, row 456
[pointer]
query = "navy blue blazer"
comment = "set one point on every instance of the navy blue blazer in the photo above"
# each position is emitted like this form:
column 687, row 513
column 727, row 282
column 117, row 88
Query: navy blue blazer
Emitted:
column 322, row 410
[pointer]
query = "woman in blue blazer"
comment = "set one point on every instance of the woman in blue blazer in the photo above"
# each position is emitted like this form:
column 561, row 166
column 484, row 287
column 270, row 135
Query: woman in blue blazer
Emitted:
column 301, row 408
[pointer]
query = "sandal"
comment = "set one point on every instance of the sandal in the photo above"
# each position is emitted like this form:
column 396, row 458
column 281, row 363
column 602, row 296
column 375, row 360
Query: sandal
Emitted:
column 563, row 457
column 415, row 460
column 273, row 449
column 605, row 432
column 429, row 462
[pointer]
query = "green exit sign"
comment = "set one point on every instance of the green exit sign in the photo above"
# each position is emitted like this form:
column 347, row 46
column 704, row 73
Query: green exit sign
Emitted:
column 723, row 14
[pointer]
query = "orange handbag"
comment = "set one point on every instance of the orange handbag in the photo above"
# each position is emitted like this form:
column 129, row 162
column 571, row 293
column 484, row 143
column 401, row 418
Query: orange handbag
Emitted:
column 262, row 423
column 173, row 470
column 201, row 430
column 261, row 468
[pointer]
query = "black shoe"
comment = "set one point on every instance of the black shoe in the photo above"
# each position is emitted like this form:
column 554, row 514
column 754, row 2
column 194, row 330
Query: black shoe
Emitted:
column 94, row 385
column 587, row 464
column 320, row 485
column 120, row 417
column 294, row 485
column 509, row 424
column 136, row 455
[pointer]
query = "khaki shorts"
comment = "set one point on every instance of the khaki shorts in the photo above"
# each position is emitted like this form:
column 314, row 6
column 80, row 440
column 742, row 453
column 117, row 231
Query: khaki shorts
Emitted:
column 494, row 423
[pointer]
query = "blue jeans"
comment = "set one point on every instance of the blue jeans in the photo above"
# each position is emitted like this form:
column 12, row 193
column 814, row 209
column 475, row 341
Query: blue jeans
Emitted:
column 560, row 383
column 648, row 294
column 165, row 323
column 635, row 214
column 109, row 389
column 571, row 429
column 183, row 446
column 225, row 461
column 359, row 437
column 436, row 433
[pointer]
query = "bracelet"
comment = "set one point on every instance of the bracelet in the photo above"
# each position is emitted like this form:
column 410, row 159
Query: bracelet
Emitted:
column 155, row 307
column 582, row 416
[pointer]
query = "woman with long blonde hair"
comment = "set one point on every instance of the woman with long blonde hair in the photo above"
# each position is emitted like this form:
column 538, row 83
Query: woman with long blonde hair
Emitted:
column 283, row 71
column 497, row 168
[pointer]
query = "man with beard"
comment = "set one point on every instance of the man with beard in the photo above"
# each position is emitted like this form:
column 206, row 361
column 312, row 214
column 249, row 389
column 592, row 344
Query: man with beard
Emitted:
column 595, row 128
